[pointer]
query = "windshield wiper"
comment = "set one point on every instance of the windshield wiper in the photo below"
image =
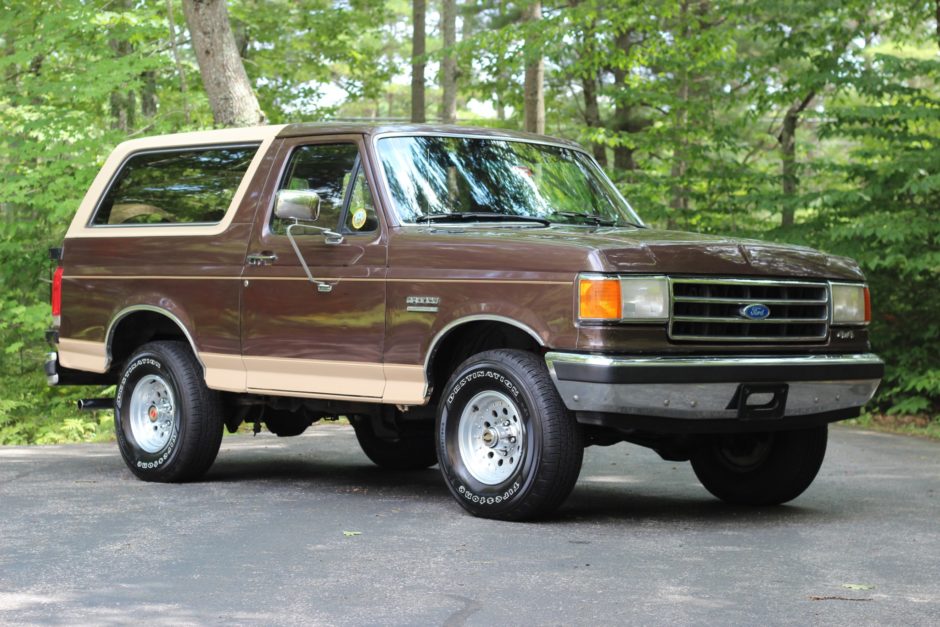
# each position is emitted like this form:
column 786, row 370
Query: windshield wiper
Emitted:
column 590, row 218
column 481, row 216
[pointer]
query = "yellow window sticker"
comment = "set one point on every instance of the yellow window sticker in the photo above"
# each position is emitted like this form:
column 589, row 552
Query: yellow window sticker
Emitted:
column 359, row 218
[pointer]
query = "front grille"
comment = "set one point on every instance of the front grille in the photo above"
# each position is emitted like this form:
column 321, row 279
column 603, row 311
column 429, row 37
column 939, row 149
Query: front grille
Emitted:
column 711, row 310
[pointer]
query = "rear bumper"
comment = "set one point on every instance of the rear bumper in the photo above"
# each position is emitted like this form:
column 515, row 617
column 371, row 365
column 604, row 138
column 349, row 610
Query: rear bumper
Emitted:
column 711, row 388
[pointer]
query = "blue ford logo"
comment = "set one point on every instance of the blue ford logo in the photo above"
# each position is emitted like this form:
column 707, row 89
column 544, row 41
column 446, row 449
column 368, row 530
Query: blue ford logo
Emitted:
column 755, row 311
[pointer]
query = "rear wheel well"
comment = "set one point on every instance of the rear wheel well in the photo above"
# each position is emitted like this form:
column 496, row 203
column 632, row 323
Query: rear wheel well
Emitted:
column 469, row 339
column 136, row 329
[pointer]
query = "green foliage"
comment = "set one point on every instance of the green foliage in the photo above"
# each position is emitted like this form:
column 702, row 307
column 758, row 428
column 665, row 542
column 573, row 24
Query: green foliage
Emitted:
column 886, row 219
column 691, row 97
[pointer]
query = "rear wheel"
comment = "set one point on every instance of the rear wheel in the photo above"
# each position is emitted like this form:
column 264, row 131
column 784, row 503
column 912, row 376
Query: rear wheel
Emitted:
column 508, row 447
column 760, row 468
column 168, row 423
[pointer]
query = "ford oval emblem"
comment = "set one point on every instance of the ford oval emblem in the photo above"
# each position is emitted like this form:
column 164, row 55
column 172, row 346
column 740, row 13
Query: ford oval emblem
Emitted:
column 755, row 311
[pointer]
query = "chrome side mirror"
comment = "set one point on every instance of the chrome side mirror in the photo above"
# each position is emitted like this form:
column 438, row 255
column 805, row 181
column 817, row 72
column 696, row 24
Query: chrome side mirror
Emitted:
column 302, row 205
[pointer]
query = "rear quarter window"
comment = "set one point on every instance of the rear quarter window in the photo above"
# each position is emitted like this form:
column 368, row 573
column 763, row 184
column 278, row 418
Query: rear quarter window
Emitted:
column 179, row 186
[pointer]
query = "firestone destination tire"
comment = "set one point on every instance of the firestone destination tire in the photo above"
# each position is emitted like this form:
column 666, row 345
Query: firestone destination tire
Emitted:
column 760, row 468
column 168, row 423
column 507, row 446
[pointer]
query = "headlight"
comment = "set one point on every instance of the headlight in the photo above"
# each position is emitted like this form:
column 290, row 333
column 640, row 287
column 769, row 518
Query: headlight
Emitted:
column 627, row 299
column 851, row 303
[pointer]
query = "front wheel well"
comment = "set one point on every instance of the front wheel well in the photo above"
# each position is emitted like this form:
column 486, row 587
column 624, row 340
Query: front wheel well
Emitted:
column 471, row 338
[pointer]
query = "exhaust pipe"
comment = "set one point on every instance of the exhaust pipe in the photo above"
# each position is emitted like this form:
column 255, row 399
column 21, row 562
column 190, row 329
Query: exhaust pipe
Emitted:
column 92, row 404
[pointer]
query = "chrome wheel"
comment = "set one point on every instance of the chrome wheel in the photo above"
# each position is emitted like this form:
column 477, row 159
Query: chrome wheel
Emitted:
column 491, row 437
column 153, row 413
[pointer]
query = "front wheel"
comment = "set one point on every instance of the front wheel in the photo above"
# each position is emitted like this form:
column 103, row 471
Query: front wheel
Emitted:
column 168, row 423
column 760, row 468
column 508, row 447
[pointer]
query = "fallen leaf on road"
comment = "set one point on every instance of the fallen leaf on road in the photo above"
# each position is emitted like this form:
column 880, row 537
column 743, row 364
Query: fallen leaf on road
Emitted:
column 858, row 586
column 350, row 534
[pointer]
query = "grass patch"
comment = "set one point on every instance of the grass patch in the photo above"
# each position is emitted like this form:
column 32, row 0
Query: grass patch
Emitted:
column 917, row 425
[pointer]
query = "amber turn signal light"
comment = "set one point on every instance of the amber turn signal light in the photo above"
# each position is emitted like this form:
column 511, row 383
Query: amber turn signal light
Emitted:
column 599, row 298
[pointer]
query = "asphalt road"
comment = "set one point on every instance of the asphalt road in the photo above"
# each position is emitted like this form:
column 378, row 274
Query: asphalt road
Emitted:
column 261, row 541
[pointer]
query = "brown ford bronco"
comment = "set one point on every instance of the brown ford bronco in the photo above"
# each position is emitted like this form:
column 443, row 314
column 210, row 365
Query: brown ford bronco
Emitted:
column 479, row 299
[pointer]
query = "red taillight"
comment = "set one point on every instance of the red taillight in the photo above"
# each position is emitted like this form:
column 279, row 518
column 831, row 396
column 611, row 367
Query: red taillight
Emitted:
column 867, row 304
column 57, row 292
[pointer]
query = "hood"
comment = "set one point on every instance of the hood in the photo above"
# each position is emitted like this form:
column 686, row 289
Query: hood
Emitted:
column 675, row 252
column 628, row 250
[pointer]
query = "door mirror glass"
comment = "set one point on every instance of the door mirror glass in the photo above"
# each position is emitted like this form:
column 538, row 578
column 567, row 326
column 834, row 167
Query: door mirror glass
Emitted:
column 297, row 204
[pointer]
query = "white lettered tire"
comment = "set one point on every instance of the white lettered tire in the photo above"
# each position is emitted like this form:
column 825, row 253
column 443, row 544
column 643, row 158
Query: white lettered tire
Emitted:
column 508, row 448
column 168, row 423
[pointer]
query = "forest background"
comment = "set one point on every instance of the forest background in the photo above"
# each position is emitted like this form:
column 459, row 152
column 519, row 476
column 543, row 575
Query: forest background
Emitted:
column 807, row 121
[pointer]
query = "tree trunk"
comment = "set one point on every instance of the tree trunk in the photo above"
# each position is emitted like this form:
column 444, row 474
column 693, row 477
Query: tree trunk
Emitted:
column 171, row 22
column 148, row 94
column 623, row 113
column 534, row 75
column 592, row 115
column 788, row 162
column 449, row 62
column 679, row 202
column 230, row 94
column 9, row 49
column 789, row 178
column 418, row 48
column 123, row 105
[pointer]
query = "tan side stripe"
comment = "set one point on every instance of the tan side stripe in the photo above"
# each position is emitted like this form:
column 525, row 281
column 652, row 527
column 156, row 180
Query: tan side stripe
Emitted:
column 315, row 376
column 83, row 355
column 225, row 372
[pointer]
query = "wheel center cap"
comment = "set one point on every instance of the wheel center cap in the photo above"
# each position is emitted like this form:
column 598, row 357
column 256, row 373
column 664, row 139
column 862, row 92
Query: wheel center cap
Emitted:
column 490, row 437
column 153, row 413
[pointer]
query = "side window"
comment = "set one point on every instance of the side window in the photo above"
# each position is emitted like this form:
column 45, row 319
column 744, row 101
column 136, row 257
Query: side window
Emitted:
column 184, row 186
column 360, row 216
column 325, row 169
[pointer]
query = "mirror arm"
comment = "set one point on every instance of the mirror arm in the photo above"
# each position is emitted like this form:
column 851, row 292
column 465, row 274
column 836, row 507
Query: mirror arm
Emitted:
column 322, row 286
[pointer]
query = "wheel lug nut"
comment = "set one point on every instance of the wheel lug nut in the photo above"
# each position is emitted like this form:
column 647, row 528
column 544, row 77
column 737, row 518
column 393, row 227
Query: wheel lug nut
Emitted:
column 506, row 423
column 512, row 439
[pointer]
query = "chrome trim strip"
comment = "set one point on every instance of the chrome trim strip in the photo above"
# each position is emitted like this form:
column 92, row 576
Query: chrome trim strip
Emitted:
column 432, row 347
column 753, row 339
column 109, row 334
column 743, row 301
column 737, row 281
column 750, row 321
column 730, row 360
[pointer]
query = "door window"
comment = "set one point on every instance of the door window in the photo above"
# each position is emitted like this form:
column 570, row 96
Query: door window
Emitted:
column 329, row 170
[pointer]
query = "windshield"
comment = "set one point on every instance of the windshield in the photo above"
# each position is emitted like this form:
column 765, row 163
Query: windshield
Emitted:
column 430, row 178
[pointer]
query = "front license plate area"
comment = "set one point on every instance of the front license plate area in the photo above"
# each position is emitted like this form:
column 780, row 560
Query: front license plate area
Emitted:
column 760, row 401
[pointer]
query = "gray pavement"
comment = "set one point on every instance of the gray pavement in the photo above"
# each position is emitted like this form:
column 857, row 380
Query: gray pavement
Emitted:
column 261, row 541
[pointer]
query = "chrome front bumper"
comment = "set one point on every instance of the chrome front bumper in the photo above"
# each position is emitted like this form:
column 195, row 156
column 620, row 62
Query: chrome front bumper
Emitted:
column 720, row 387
